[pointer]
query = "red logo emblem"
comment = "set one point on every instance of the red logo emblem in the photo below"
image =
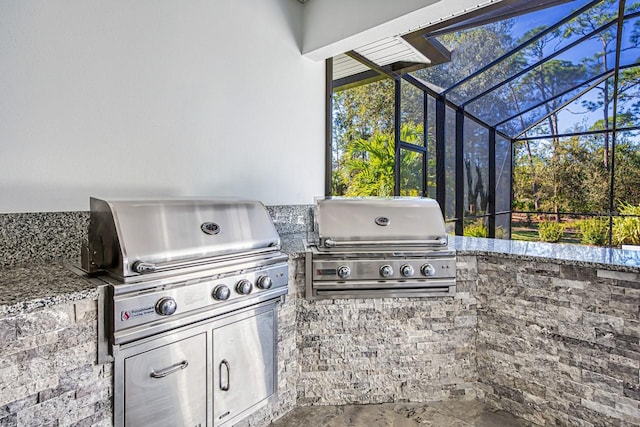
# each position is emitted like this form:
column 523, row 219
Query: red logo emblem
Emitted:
column 124, row 315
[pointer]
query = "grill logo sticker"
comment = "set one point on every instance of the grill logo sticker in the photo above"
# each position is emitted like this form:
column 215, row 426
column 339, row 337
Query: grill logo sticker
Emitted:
column 210, row 228
column 137, row 312
column 326, row 271
column 382, row 221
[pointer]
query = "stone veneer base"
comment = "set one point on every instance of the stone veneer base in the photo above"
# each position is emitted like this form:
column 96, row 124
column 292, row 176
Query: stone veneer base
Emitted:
column 559, row 344
column 48, row 370
column 554, row 342
column 389, row 349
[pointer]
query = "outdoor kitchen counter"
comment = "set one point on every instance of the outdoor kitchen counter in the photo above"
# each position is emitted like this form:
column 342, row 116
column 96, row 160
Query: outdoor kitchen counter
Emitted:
column 28, row 287
column 293, row 244
column 24, row 288
column 588, row 256
column 568, row 254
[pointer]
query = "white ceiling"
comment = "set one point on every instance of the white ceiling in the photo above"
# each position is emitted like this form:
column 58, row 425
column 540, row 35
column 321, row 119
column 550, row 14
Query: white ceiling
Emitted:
column 374, row 29
column 331, row 27
column 382, row 52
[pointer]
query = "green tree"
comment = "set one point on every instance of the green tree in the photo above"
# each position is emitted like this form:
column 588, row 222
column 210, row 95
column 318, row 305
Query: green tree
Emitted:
column 548, row 81
column 578, row 182
column 370, row 163
column 545, row 82
column 358, row 113
column 471, row 50
column 601, row 62
column 528, row 172
column 627, row 170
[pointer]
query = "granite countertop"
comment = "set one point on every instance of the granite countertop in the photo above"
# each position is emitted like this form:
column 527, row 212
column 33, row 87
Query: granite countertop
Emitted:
column 293, row 244
column 607, row 258
column 24, row 288
column 618, row 259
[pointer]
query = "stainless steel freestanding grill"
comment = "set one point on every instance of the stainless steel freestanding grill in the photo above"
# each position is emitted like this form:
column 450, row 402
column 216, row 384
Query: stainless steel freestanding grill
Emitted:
column 190, row 309
column 386, row 247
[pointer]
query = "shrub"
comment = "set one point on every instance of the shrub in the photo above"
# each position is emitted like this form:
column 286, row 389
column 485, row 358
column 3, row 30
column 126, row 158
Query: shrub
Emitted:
column 594, row 231
column 550, row 231
column 476, row 230
column 626, row 230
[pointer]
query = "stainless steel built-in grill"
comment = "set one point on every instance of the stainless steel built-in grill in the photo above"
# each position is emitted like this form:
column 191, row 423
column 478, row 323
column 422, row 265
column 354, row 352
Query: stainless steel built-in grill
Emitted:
column 395, row 247
column 190, row 308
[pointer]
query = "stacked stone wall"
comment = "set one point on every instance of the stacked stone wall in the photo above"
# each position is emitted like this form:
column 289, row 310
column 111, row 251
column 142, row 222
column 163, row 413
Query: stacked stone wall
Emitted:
column 554, row 343
column 559, row 344
column 48, row 370
column 389, row 349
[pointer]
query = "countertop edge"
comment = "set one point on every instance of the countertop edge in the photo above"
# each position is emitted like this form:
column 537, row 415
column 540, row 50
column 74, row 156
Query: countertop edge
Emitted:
column 560, row 261
column 8, row 310
column 24, row 289
column 566, row 254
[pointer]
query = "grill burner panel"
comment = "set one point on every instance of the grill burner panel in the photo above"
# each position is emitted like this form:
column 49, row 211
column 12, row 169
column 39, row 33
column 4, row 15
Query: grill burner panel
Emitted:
column 137, row 315
column 386, row 268
column 369, row 248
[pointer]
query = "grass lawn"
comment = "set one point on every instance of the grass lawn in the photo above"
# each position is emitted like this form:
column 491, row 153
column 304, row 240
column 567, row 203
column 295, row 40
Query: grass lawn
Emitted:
column 524, row 234
column 520, row 231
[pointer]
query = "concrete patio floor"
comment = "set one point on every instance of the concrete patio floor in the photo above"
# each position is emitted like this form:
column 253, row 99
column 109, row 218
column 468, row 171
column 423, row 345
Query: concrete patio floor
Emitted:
column 436, row 414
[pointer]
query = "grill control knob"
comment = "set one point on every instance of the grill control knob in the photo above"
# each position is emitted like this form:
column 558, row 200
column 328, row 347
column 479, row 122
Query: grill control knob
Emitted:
column 386, row 271
column 221, row 292
column 166, row 306
column 406, row 270
column 344, row 271
column 264, row 282
column 428, row 270
column 244, row 287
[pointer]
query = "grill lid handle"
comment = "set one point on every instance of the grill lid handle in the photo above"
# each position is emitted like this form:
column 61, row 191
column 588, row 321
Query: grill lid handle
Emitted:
column 143, row 267
column 440, row 241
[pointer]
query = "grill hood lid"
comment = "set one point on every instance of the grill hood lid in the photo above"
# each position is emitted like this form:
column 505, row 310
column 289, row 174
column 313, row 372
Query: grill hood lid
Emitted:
column 370, row 221
column 123, row 233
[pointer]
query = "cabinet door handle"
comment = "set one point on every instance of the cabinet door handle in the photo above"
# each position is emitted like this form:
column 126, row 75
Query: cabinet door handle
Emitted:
column 170, row 370
column 225, row 387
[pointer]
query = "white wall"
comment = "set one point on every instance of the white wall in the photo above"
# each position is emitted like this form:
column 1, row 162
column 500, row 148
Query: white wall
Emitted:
column 126, row 98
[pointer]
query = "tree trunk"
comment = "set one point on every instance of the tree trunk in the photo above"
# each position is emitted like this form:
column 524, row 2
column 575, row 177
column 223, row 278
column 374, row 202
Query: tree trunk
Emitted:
column 534, row 181
column 553, row 127
column 534, row 184
column 553, row 123
column 605, row 107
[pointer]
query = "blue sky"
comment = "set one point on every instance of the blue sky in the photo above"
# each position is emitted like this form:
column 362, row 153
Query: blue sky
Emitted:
column 575, row 113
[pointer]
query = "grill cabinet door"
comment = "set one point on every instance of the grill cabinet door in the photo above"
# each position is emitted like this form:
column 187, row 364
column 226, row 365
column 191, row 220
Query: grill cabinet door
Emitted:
column 243, row 365
column 166, row 386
